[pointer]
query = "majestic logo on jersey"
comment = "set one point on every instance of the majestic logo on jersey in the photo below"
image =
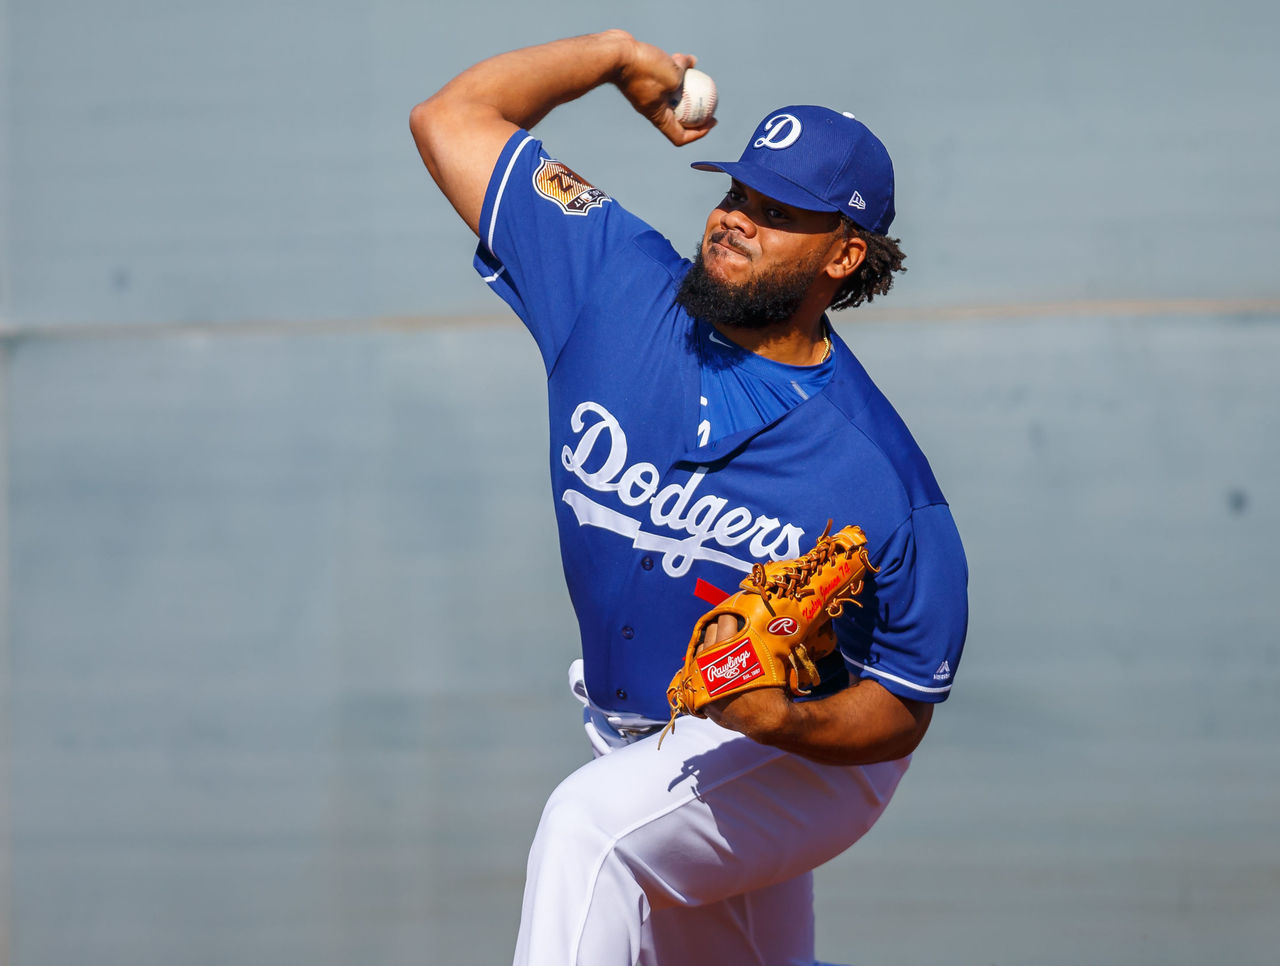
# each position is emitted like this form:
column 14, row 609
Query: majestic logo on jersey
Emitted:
column 943, row 672
column 704, row 519
column 782, row 626
column 728, row 669
column 781, row 131
column 559, row 183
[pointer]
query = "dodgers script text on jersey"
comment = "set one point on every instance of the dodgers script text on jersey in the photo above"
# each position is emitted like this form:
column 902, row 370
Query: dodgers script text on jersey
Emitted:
column 643, row 499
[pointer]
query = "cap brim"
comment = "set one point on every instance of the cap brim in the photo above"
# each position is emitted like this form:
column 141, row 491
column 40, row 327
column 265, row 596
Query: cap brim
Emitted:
column 768, row 183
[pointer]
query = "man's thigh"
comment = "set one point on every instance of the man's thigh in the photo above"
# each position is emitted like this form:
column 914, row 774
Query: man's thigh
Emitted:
column 713, row 814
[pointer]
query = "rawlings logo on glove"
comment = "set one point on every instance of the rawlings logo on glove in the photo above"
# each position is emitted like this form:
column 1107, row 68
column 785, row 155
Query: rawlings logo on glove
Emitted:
column 724, row 672
column 774, row 630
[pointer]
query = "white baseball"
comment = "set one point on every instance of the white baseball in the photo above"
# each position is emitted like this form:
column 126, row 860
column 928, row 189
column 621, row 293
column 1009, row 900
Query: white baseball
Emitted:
column 695, row 102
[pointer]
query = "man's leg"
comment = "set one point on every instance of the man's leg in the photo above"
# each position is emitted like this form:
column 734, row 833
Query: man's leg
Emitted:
column 695, row 826
column 772, row 925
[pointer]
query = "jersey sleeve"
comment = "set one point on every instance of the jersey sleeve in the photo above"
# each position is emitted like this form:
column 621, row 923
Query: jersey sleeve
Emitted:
column 910, row 635
column 545, row 237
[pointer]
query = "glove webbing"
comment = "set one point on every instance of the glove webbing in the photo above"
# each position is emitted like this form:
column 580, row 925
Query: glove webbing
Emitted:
column 795, row 576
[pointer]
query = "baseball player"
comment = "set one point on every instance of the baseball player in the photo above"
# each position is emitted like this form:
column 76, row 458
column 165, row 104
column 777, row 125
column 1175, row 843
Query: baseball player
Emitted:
column 704, row 416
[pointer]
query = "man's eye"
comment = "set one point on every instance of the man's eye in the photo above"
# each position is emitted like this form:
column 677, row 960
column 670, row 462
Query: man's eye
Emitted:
column 777, row 214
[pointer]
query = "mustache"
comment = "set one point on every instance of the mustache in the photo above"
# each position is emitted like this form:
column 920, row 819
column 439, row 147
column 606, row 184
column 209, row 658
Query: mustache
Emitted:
column 729, row 239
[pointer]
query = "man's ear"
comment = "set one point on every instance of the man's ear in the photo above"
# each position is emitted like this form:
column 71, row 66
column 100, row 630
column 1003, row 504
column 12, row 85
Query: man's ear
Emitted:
column 852, row 252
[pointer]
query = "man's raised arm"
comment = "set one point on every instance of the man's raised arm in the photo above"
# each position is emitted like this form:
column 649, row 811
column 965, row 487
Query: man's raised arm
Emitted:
column 460, row 130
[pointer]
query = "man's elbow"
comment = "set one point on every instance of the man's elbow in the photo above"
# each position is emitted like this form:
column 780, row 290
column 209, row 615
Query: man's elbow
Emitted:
column 911, row 736
column 425, row 118
column 430, row 123
column 901, row 730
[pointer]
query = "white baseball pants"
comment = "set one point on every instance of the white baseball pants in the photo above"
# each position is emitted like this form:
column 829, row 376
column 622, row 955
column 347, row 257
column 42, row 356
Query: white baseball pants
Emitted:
column 700, row 852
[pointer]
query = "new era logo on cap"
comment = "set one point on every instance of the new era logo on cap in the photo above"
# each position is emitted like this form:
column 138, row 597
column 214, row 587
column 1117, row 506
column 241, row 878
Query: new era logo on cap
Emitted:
column 819, row 160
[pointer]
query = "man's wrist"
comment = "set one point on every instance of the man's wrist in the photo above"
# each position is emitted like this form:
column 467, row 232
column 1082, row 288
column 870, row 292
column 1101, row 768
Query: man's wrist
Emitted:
column 786, row 726
column 765, row 715
column 624, row 48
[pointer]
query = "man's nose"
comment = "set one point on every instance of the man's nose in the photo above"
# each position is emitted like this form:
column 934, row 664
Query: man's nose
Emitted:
column 735, row 219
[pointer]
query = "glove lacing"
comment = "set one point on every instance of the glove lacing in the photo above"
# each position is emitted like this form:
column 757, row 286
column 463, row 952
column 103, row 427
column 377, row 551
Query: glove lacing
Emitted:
column 793, row 578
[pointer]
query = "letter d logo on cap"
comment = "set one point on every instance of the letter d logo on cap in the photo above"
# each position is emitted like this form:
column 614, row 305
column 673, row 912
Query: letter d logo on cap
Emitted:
column 781, row 131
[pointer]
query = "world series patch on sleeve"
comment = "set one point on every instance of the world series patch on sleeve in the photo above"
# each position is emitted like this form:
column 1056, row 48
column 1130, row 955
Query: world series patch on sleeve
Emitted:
column 773, row 631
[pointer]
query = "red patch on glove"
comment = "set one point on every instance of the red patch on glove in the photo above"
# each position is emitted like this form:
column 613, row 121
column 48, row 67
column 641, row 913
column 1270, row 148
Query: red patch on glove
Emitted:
column 725, row 670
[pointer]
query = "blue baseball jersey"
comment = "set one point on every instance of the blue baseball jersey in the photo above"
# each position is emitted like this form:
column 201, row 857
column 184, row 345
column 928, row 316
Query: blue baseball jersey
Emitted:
column 655, row 519
column 742, row 390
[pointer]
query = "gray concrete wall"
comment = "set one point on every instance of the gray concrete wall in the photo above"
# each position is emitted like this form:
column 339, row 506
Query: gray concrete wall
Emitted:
column 263, row 707
column 251, row 525
column 178, row 163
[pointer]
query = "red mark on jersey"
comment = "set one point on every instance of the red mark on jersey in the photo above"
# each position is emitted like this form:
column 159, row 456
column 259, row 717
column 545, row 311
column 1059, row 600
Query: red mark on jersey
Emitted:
column 712, row 594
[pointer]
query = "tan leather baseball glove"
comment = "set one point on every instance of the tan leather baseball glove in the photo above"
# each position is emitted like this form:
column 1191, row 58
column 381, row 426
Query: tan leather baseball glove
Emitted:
column 772, row 632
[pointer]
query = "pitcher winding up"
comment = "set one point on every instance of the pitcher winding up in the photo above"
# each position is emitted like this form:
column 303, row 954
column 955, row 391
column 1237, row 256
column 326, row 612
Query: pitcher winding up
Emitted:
column 707, row 426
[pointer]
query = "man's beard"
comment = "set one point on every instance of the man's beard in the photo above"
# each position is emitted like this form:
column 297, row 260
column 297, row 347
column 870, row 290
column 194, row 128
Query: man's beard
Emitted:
column 756, row 304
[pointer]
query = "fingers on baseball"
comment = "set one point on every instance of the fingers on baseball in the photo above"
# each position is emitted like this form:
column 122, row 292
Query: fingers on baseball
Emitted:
column 677, row 133
column 702, row 130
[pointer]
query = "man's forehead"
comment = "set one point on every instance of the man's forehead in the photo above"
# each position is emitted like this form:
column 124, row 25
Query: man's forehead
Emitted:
column 812, row 219
column 744, row 187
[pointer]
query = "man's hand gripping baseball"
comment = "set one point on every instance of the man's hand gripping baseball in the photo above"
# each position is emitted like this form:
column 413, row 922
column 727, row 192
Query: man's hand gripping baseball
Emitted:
column 461, row 130
column 648, row 80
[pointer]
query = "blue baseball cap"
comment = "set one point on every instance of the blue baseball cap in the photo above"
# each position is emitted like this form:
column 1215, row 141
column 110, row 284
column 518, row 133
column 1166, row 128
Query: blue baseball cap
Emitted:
column 820, row 160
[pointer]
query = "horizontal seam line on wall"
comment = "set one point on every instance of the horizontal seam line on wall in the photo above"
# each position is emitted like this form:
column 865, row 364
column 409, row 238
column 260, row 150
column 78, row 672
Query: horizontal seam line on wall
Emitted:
column 1105, row 308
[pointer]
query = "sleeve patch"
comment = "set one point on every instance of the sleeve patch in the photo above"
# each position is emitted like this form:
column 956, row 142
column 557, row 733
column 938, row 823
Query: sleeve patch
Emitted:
column 559, row 183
